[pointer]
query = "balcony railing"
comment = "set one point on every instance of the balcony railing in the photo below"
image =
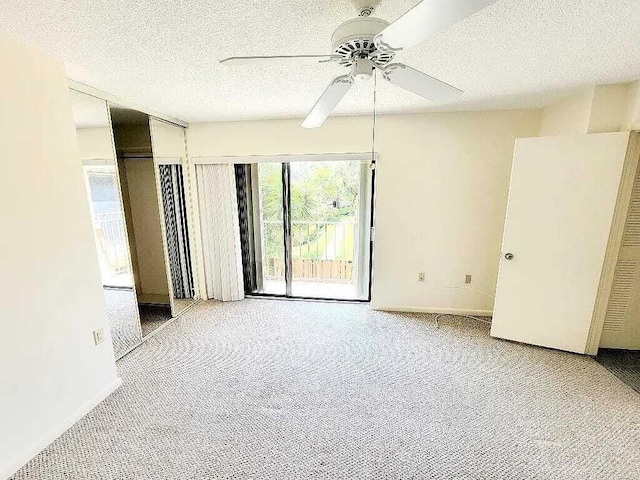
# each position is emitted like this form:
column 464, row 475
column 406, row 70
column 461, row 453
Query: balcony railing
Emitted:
column 321, row 251
column 111, row 240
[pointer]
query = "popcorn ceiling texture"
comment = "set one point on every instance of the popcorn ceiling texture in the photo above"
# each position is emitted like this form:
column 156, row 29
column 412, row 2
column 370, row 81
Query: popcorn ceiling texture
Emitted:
column 267, row 389
column 164, row 54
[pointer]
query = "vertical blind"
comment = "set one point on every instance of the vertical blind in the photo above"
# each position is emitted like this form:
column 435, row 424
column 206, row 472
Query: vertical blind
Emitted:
column 221, row 248
column 177, row 233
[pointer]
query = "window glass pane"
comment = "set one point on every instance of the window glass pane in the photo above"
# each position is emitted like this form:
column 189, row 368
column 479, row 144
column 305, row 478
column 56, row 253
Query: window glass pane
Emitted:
column 271, row 229
column 327, row 219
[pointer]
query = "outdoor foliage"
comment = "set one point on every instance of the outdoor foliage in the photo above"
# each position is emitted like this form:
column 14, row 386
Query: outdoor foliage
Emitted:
column 320, row 192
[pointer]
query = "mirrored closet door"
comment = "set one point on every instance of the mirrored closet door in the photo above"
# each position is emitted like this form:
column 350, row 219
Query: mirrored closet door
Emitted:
column 143, row 216
column 169, row 154
column 95, row 139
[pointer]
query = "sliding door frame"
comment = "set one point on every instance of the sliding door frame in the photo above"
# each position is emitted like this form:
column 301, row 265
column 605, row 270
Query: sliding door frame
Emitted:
column 369, row 161
column 286, row 226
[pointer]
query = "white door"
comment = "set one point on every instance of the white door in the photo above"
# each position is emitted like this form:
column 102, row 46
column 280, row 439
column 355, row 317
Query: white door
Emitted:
column 561, row 204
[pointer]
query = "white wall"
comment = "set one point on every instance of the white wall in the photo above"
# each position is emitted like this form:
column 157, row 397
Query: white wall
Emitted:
column 441, row 190
column 51, row 373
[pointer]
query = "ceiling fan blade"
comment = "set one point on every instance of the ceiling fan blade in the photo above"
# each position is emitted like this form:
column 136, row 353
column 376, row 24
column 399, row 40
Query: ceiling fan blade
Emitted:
column 278, row 59
column 420, row 83
column 425, row 19
column 328, row 101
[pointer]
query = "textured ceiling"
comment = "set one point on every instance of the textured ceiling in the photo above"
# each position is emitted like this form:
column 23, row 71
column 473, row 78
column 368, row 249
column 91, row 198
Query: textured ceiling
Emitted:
column 164, row 54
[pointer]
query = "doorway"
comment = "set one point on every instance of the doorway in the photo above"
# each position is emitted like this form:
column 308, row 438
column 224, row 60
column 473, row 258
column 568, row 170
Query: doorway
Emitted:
column 305, row 228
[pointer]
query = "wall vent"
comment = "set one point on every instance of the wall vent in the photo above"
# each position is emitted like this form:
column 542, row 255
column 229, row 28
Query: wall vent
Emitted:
column 620, row 294
column 631, row 235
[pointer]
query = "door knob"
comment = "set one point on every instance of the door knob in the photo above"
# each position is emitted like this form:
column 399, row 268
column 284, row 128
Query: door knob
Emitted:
column 508, row 256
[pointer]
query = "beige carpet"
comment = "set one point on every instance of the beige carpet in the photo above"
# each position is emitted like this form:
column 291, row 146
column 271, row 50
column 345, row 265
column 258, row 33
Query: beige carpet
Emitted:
column 122, row 315
column 277, row 390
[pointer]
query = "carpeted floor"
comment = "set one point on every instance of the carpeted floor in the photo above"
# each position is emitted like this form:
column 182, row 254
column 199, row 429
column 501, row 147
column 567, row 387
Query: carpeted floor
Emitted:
column 122, row 314
column 277, row 390
column 624, row 364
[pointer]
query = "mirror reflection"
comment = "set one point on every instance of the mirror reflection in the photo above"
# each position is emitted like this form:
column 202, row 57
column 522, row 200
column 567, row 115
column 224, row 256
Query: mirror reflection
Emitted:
column 169, row 154
column 140, row 195
column 134, row 169
column 97, row 153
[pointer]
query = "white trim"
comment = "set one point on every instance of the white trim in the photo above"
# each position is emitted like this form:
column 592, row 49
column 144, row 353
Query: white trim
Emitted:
column 449, row 311
column 91, row 162
column 309, row 157
column 169, row 160
column 94, row 92
column 53, row 434
column 195, row 226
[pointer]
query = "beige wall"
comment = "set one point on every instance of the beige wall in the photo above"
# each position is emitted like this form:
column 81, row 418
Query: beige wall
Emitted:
column 168, row 140
column 147, row 234
column 51, row 373
column 441, row 190
column 599, row 109
column 128, row 219
column 633, row 111
column 609, row 109
column 569, row 116
column 96, row 143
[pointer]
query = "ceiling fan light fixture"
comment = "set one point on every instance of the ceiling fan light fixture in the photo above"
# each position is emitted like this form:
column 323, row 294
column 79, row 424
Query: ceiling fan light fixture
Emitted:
column 362, row 69
column 366, row 43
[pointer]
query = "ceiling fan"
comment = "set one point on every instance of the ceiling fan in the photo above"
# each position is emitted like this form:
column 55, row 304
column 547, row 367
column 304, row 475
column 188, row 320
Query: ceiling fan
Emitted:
column 366, row 43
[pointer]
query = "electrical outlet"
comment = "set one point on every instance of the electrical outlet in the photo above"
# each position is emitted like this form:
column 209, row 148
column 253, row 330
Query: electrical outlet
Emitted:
column 467, row 279
column 98, row 336
column 421, row 276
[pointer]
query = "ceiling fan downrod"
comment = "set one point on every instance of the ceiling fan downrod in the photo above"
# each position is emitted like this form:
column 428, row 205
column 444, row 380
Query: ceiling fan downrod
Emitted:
column 365, row 8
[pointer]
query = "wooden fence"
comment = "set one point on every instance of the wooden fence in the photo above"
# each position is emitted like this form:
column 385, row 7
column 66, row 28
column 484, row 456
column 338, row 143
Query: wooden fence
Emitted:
column 329, row 271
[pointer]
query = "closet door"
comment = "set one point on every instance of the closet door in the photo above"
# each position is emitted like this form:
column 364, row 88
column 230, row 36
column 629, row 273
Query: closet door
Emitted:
column 621, row 322
column 562, row 200
column 170, row 157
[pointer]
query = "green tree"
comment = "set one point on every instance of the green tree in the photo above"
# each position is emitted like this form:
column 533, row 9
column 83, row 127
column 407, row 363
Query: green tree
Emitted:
column 320, row 192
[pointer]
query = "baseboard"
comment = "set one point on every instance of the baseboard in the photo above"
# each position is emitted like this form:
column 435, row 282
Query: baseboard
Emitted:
column 53, row 434
column 450, row 311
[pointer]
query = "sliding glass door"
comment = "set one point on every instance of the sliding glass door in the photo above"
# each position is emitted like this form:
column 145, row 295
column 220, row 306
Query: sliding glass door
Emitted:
column 305, row 228
column 270, row 229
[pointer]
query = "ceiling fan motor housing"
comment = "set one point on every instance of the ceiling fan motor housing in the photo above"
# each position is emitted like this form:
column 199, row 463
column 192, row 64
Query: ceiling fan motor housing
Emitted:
column 354, row 39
